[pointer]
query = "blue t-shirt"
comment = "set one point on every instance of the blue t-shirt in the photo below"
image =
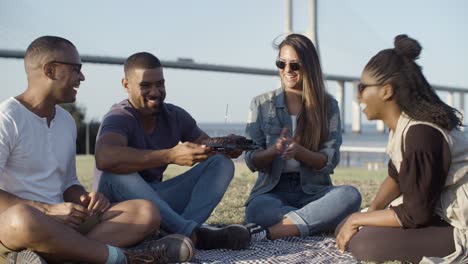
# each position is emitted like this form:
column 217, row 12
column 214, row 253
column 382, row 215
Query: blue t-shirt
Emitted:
column 173, row 125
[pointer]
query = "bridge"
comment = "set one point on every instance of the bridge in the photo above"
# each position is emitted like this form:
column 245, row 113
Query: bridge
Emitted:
column 341, row 81
column 455, row 95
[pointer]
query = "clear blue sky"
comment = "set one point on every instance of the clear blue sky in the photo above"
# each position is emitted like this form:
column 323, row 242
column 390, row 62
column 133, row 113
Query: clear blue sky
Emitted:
column 237, row 32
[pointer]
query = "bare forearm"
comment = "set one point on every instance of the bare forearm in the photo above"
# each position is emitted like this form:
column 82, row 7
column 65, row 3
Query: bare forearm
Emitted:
column 124, row 160
column 383, row 218
column 315, row 160
column 388, row 192
column 7, row 200
column 262, row 159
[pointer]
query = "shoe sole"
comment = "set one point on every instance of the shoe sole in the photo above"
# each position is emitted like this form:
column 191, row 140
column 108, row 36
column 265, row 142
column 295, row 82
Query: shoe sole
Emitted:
column 241, row 236
column 234, row 237
column 24, row 257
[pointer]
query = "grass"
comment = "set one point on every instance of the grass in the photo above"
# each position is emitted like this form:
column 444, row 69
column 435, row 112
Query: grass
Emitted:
column 231, row 209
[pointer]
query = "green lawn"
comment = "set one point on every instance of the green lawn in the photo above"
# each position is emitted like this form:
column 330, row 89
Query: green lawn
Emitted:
column 231, row 208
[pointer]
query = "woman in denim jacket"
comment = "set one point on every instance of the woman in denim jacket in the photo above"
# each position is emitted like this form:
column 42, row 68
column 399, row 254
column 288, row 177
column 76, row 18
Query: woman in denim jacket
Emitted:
column 299, row 128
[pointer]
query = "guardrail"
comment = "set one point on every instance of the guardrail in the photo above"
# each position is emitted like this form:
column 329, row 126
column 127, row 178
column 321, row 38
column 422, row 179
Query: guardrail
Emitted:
column 341, row 81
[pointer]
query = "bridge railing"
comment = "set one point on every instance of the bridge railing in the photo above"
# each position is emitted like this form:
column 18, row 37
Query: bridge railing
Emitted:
column 340, row 81
column 356, row 111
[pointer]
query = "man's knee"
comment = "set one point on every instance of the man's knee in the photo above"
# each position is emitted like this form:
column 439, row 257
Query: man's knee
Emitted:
column 109, row 177
column 223, row 168
column 224, row 162
column 147, row 214
column 150, row 213
column 21, row 224
column 22, row 217
column 116, row 187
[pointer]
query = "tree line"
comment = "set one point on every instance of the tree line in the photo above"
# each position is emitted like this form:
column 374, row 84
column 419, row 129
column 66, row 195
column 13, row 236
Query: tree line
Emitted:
column 78, row 113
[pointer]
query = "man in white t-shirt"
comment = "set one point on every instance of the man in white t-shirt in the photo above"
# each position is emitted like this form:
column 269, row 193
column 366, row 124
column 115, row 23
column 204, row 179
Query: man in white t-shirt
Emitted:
column 43, row 207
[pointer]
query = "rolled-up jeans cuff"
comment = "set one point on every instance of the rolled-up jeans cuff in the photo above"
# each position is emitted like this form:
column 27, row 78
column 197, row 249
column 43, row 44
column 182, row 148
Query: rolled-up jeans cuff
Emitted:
column 299, row 222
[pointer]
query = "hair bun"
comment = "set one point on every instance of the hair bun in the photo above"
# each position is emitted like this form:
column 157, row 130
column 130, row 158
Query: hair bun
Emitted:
column 407, row 47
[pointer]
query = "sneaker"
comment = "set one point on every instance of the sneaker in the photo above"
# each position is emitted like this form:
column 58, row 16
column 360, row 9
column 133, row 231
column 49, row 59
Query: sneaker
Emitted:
column 25, row 257
column 257, row 232
column 141, row 257
column 234, row 237
column 169, row 249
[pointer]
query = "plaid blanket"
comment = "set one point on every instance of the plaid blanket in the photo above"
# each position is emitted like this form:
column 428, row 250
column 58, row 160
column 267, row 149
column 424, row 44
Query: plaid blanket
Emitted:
column 316, row 249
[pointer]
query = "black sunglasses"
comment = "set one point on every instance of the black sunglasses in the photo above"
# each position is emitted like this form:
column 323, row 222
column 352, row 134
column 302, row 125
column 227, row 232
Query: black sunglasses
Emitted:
column 76, row 66
column 295, row 66
column 362, row 86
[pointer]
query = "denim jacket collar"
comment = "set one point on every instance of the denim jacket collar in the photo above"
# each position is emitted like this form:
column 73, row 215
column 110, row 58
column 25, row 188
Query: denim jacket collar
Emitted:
column 280, row 99
column 282, row 110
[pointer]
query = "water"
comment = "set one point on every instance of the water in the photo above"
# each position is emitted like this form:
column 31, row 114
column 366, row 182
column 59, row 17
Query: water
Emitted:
column 369, row 137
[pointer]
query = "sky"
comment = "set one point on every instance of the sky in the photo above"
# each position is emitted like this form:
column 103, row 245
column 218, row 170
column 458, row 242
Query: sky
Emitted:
column 237, row 33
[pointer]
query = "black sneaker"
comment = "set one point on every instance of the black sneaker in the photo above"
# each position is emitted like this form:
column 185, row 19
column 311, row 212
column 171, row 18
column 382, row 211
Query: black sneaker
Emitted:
column 234, row 237
column 257, row 232
column 169, row 249
column 25, row 257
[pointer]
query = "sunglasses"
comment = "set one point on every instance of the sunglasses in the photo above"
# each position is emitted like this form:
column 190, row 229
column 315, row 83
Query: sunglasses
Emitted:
column 361, row 86
column 295, row 66
column 76, row 66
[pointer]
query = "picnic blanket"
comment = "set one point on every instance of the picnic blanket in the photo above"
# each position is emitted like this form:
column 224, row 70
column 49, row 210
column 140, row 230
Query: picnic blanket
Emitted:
column 315, row 249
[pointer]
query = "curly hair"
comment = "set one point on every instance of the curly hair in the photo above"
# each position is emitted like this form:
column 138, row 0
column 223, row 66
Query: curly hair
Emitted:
column 412, row 92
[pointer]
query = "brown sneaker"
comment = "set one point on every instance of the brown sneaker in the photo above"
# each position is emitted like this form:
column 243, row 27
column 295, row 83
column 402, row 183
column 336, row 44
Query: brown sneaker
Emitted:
column 142, row 257
column 234, row 237
column 169, row 249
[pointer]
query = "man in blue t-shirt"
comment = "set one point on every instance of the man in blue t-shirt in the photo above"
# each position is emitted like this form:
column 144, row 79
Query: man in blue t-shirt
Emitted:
column 139, row 137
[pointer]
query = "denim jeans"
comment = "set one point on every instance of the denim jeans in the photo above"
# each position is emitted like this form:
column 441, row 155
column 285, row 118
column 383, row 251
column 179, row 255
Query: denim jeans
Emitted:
column 185, row 201
column 320, row 212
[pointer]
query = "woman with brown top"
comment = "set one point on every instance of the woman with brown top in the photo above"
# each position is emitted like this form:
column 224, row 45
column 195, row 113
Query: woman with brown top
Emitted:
column 427, row 170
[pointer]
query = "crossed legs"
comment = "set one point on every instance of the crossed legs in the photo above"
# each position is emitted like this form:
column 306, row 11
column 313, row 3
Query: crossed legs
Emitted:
column 393, row 243
column 185, row 201
column 122, row 225
column 294, row 213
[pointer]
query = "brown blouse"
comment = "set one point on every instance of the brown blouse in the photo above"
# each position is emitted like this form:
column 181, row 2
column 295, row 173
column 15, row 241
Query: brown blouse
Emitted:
column 422, row 175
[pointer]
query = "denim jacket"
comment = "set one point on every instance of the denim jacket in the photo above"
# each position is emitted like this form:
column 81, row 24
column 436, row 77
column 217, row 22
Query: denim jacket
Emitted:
column 267, row 116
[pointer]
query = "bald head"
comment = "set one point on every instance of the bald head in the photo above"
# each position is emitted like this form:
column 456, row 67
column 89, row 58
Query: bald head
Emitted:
column 45, row 49
column 141, row 60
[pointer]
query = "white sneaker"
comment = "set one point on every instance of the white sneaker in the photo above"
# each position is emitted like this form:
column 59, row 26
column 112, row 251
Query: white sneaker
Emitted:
column 257, row 233
column 25, row 257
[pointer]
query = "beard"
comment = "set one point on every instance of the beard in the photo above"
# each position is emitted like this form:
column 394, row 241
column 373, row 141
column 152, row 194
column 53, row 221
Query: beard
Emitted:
column 157, row 107
column 157, row 110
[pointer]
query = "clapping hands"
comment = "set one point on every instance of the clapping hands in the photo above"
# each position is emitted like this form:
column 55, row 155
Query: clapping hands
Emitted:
column 286, row 146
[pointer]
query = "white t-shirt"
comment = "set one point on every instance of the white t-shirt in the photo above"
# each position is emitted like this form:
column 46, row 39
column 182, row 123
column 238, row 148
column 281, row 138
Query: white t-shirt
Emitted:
column 37, row 162
column 292, row 165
